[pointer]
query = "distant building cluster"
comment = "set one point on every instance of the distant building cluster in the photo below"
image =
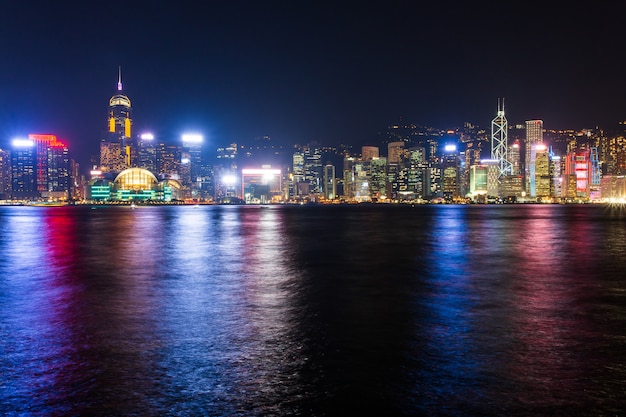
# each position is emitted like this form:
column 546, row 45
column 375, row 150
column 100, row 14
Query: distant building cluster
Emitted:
column 506, row 164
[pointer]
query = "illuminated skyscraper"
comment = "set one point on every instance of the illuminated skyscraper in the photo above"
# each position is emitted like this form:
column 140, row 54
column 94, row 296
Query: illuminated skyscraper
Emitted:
column 398, row 182
column 581, row 177
column 499, row 128
column 349, row 191
column 330, row 185
column 77, row 189
column 556, row 176
column 512, row 185
column 450, row 169
column 493, row 173
column 483, row 180
column 120, row 113
column 116, row 148
column 595, row 174
column 417, row 174
column 478, row 181
column 145, row 157
column 361, row 181
column 57, row 175
column 52, row 166
column 540, row 179
column 41, row 143
column 377, row 178
column 40, row 167
column 298, row 172
column 514, row 156
column 168, row 159
column 23, row 170
column 534, row 134
column 313, row 174
column 397, row 173
column 227, row 157
column 191, row 158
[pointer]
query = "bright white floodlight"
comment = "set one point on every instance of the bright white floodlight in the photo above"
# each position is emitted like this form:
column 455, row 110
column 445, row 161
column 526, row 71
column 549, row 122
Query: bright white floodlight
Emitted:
column 229, row 179
column 22, row 143
column 192, row 138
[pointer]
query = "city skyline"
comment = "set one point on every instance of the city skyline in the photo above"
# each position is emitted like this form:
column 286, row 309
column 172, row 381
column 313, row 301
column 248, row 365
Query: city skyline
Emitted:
column 379, row 139
column 301, row 73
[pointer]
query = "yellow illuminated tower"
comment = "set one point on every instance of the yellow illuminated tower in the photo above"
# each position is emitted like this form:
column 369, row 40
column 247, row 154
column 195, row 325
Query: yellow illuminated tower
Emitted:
column 534, row 135
column 119, row 111
column 115, row 150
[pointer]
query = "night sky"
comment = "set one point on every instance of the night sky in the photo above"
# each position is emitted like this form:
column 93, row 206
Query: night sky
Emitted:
column 303, row 71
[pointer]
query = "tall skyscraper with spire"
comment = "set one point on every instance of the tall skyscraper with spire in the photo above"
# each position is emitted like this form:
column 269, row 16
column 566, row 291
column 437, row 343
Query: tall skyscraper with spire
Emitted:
column 116, row 148
column 499, row 139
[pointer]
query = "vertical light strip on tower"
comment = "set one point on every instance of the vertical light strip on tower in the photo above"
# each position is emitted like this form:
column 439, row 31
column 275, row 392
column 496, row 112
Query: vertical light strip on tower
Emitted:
column 499, row 137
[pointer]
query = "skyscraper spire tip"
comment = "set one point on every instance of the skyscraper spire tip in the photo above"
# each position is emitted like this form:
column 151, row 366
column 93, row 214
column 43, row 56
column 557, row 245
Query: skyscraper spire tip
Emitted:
column 119, row 78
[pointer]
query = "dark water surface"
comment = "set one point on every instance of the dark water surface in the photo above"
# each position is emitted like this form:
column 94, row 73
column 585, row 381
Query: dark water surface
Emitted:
column 344, row 310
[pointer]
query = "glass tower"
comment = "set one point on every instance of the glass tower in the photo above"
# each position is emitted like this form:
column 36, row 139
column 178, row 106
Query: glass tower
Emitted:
column 23, row 170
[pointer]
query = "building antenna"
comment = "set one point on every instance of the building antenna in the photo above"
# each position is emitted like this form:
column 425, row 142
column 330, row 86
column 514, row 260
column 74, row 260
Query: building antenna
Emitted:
column 501, row 105
column 119, row 78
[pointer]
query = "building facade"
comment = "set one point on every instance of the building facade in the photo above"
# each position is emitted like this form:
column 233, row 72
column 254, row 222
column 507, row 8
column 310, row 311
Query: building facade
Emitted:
column 40, row 168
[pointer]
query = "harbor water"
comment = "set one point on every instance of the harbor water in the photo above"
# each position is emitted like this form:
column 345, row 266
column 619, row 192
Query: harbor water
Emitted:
column 434, row 310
